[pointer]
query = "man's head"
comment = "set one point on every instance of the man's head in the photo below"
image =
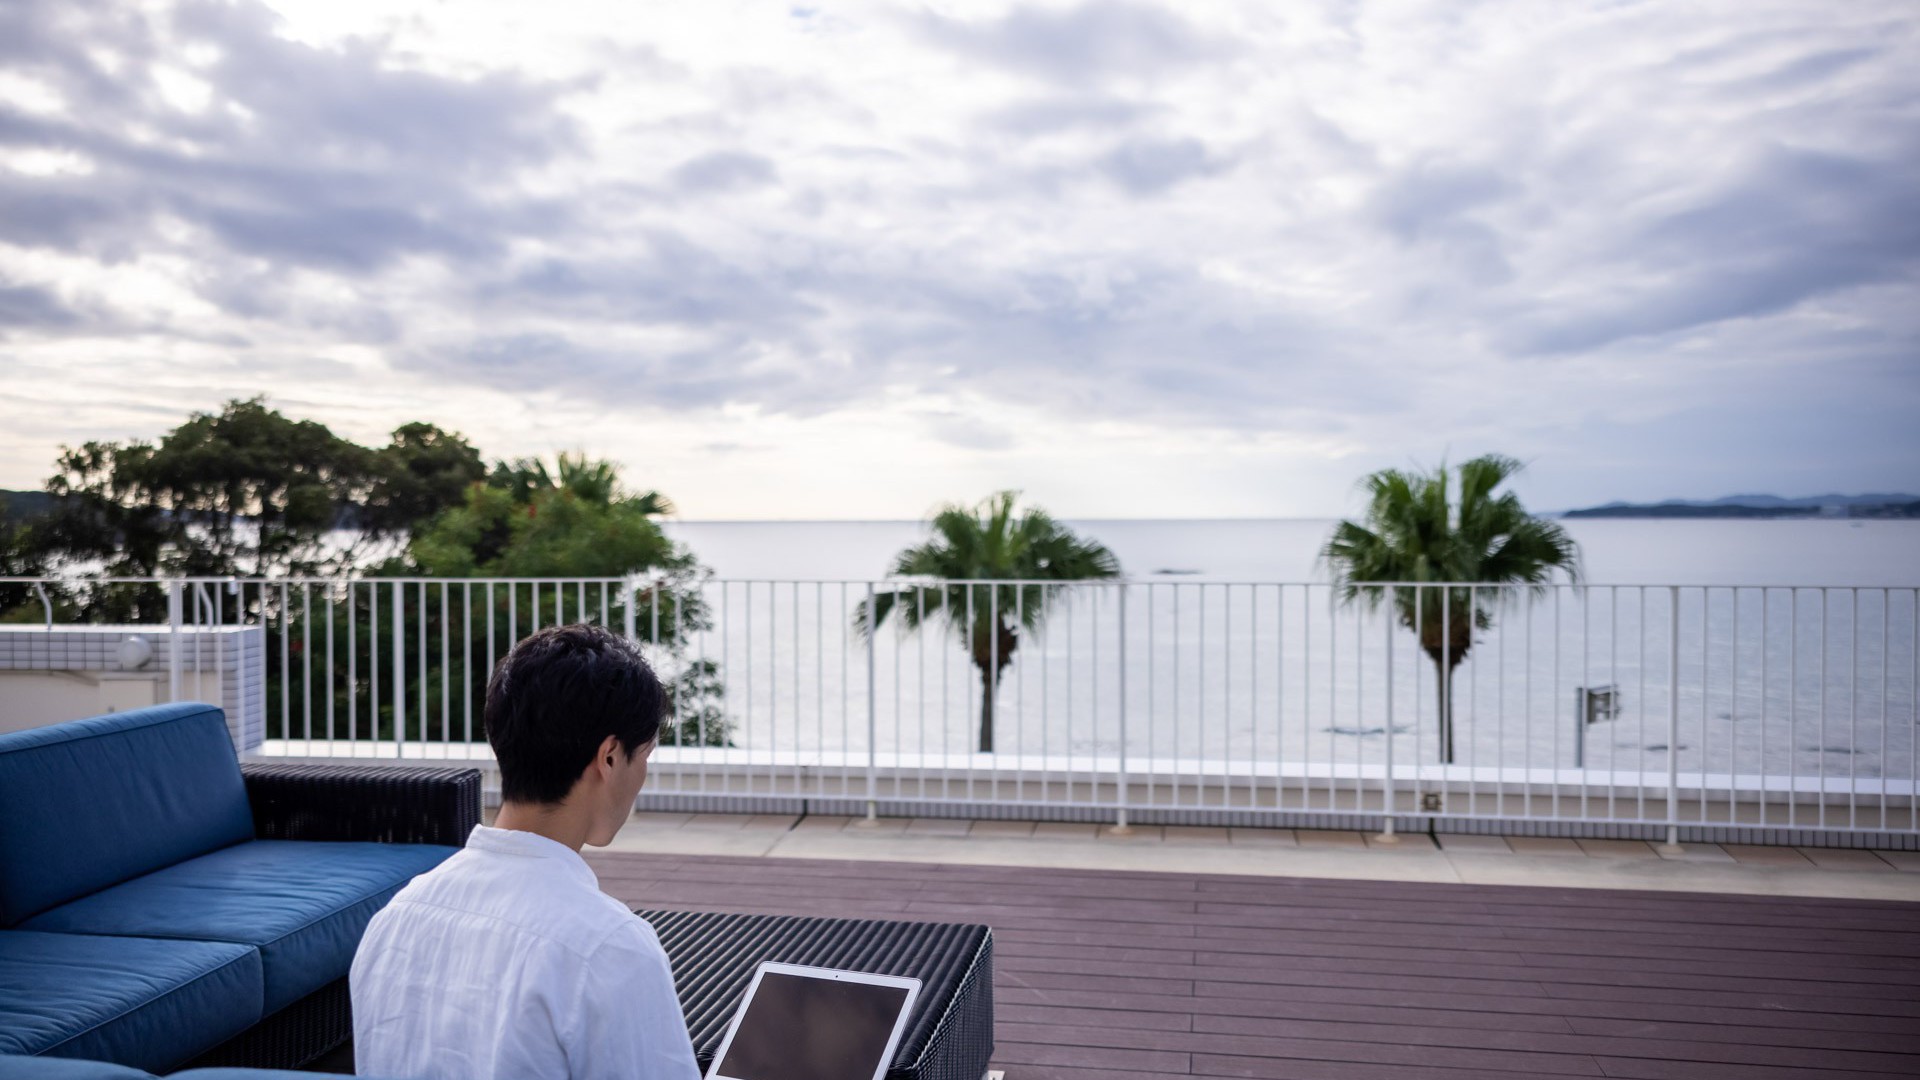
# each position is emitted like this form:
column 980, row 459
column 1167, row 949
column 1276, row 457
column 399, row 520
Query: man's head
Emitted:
column 574, row 711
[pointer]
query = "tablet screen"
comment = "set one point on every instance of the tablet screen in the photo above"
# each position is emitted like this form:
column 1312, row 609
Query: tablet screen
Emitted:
column 800, row 1028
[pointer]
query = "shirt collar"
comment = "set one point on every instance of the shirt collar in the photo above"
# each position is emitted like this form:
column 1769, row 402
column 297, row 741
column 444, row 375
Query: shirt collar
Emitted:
column 516, row 842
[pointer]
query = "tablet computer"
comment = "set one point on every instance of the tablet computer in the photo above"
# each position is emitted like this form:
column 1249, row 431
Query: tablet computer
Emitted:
column 812, row 1023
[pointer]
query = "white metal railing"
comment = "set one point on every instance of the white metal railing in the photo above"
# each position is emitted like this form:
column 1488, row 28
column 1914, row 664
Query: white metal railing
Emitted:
column 1675, row 706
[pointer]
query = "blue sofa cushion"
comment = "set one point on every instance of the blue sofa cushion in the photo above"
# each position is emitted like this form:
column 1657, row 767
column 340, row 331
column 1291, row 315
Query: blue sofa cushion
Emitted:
column 92, row 803
column 14, row 1067
column 147, row 1004
column 304, row 904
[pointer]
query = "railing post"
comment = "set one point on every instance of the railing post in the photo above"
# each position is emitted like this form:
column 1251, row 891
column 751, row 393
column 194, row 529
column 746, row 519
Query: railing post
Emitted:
column 873, row 720
column 399, row 671
column 1386, row 828
column 1120, row 826
column 176, row 617
column 627, row 594
column 1673, row 717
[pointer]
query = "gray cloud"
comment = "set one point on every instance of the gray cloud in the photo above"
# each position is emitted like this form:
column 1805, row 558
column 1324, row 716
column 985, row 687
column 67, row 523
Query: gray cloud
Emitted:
column 31, row 307
column 1151, row 166
column 722, row 171
column 305, row 156
column 1073, row 46
column 1792, row 226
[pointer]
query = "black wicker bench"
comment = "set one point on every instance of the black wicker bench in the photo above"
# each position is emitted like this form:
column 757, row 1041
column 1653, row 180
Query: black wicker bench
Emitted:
column 949, row 1036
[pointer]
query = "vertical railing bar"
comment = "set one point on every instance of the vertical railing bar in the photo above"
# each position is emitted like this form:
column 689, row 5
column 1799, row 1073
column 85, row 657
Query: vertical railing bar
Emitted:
column 1613, row 684
column 446, row 674
column 1179, row 744
column 1586, row 683
column 1445, row 710
column 306, row 663
column 1526, row 715
column 1306, row 697
column 705, row 751
column 799, row 733
column 972, row 746
column 1853, row 709
column 1473, row 708
column 1020, row 696
column 1820, row 754
column 993, row 688
column 1793, row 706
column 1500, row 715
column 1279, row 696
column 1121, row 825
column 1553, row 694
column 1733, row 716
column 1886, row 659
column 1226, row 694
column 1359, row 708
column 1766, row 641
column 1640, row 711
column 726, row 686
column 1419, row 738
column 1700, row 785
column 420, row 621
column 286, row 662
column 773, row 685
column 1673, row 717
column 872, row 711
column 399, row 645
column 1253, row 696
column 1913, row 715
column 1387, row 807
column 920, row 674
column 746, row 770
column 820, row 685
column 466, row 664
column 846, row 694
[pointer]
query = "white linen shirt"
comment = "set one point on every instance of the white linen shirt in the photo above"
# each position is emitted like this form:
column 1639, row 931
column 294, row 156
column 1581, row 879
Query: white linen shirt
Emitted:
column 507, row 962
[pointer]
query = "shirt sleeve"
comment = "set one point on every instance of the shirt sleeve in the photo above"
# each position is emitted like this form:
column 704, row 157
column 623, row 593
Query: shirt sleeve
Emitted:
column 627, row 1024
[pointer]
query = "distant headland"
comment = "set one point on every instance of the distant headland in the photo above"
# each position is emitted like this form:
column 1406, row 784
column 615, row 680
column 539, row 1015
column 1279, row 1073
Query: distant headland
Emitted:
column 1763, row 506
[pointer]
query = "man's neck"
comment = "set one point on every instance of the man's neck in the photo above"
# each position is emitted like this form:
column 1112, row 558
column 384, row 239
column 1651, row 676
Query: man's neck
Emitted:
column 561, row 823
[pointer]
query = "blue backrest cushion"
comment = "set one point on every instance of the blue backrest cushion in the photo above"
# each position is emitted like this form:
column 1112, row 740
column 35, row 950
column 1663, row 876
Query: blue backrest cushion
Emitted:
column 92, row 803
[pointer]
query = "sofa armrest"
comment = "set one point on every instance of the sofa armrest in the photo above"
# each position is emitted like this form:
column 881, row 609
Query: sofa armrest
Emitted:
column 399, row 805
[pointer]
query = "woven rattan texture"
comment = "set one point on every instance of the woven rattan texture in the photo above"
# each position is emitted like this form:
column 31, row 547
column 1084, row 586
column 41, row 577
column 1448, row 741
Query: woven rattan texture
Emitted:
column 949, row 1037
column 398, row 805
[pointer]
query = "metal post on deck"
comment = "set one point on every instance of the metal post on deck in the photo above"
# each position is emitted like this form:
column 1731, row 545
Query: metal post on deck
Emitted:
column 1673, row 718
column 627, row 594
column 1386, row 829
column 176, row 616
column 873, row 723
column 399, row 672
column 1120, row 826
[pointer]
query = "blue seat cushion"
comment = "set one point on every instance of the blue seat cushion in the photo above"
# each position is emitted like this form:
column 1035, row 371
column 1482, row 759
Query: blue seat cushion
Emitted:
column 92, row 803
column 304, row 904
column 13, row 1067
column 143, row 1003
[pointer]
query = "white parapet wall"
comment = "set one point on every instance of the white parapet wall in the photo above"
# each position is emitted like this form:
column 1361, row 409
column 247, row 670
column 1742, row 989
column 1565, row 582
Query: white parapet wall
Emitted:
column 52, row 674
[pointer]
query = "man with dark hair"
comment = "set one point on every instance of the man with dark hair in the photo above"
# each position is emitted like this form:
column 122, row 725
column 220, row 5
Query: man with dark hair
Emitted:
column 507, row 961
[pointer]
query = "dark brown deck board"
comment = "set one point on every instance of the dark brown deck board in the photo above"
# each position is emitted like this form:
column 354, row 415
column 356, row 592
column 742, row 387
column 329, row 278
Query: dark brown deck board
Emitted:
column 1140, row 976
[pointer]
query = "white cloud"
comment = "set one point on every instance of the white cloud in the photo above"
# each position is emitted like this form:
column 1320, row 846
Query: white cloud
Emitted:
column 913, row 253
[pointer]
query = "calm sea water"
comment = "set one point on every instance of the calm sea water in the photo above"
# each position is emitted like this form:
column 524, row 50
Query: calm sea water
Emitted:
column 1800, row 658
column 1624, row 552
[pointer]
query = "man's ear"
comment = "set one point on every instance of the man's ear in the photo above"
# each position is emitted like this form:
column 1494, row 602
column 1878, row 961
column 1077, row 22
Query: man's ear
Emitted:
column 609, row 747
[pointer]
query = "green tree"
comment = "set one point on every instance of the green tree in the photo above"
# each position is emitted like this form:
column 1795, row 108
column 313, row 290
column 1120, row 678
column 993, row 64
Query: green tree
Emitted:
column 986, row 543
column 244, row 491
column 1413, row 532
column 577, row 520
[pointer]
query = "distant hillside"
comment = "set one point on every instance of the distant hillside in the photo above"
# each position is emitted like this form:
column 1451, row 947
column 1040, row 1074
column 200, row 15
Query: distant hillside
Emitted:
column 17, row 506
column 1764, row 506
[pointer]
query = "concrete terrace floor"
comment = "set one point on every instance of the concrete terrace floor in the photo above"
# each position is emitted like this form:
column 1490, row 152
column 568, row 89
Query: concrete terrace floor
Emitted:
column 1454, row 859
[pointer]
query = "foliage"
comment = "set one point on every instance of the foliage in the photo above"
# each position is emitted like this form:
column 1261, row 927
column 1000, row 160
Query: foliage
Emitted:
column 577, row 520
column 242, row 492
column 987, row 543
column 1414, row 532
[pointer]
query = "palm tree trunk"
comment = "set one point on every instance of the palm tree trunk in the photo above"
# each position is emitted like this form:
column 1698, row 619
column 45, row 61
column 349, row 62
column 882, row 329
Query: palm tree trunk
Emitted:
column 986, row 711
column 1443, row 698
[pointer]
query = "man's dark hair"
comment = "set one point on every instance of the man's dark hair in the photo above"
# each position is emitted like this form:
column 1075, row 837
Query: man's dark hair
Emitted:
column 556, row 696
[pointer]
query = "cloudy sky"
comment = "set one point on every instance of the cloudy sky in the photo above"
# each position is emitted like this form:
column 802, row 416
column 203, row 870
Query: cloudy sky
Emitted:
column 848, row 259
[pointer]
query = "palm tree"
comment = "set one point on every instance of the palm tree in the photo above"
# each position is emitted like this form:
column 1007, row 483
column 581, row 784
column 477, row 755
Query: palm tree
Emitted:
column 988, row 543
column 587, row 479
column 1413, row 533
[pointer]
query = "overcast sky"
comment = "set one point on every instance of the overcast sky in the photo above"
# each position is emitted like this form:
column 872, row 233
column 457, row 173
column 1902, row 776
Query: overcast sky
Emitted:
column 847, row 260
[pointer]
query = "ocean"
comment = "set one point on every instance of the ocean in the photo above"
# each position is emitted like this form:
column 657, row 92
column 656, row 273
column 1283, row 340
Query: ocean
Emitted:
column 1793, row 642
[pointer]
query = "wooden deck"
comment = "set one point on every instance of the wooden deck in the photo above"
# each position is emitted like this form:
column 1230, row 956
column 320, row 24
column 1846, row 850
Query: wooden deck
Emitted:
column 1141, row 975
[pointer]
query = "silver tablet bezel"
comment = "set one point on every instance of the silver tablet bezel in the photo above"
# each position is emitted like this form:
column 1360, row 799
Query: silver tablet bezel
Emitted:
column 912, row 987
